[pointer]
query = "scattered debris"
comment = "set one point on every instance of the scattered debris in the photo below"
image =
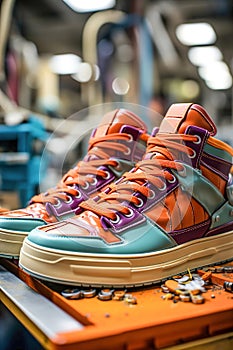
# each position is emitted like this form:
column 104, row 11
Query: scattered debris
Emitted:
column 187, row 287
column 105, row 294
column 130, row 299
column 75, row 293
column 228, row 286
column 190, row 287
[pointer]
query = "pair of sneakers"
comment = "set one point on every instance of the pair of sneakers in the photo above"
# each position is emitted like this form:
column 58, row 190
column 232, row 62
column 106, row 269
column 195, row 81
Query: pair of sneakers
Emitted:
column 170, row 212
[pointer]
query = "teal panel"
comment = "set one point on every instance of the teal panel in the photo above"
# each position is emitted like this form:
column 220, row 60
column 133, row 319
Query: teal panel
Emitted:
column 200, row 188
column 143, row 238
column 217, row 152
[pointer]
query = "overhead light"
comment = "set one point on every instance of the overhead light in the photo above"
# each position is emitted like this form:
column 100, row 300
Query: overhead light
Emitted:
column 96, row 72
column 120, row 86
column 216, row 75
column 220, row 84
column 204, row 55
column 84, row 73
column 65, row 63
column 215, row 69
column 90, row 5
column 196, row 34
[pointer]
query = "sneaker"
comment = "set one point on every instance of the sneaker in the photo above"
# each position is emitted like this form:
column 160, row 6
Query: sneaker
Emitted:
column 114, row 147
column 171, row 213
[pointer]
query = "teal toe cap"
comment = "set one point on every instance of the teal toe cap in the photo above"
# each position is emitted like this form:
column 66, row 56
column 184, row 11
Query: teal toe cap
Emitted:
column 19, row 224
column 146, row 238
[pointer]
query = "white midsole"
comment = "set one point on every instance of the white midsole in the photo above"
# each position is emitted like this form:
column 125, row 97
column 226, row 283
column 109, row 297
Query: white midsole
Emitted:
column 123, row 270
column 11, row 242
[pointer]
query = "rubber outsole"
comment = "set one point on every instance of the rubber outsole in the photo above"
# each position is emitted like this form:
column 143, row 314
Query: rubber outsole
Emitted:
column 105, row 270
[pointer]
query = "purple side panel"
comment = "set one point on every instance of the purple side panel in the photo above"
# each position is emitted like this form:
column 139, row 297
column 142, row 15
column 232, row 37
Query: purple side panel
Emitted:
column 190, row 233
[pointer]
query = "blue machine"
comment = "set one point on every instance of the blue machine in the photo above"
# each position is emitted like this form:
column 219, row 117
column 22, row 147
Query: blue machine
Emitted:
column 21, row 161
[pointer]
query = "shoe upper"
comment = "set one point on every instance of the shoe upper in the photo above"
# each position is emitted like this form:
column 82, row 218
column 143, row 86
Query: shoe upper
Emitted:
column 180, row 191
column 114, row 147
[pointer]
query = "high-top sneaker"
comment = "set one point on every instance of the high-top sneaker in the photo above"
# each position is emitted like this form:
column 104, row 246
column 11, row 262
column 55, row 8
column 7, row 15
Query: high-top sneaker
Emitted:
column 114, row 147
column 171, row 213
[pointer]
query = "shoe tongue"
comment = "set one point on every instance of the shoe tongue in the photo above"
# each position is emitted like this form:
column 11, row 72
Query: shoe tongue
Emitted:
column 181, row 115
column 178, row 117
column 113, row 121
column 117, row 121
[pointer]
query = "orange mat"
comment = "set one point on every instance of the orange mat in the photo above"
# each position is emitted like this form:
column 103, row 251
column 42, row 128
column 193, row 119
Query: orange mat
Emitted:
column 152, row 323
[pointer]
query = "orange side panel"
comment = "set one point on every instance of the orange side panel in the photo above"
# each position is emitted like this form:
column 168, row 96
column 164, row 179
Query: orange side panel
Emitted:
column 177, row 211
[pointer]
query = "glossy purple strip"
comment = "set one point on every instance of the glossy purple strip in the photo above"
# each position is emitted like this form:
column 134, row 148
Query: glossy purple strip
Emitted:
column 190, row 233
column 220, row 229
column 217, row 165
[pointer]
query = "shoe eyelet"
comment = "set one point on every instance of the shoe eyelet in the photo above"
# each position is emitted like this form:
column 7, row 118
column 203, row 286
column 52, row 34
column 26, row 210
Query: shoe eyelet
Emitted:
column 198, row 140
column 72, row 186
column 69, row 200
column 140, row 204
column 57, row 204
column 173, row 180
column 78, row 195
column 182, row 172
column 128, row 151
column 94, row 182
column 85, row 187
column 107, row 175
column 163, row 187
column 130, row 214
column 191, row 156
column 130, row 139
column 151, row 195
column 116, row 220
column 117, row 166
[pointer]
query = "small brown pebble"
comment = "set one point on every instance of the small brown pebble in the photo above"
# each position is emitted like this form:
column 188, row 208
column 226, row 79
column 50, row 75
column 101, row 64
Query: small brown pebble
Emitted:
column 130, row 299
column 184, row 298
column 172, row 285
column 119, row 294
column 206, row 276
column 176, row 277
column 168, row 296
column 212, row 296
column 197, row 299
column 196, row 291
